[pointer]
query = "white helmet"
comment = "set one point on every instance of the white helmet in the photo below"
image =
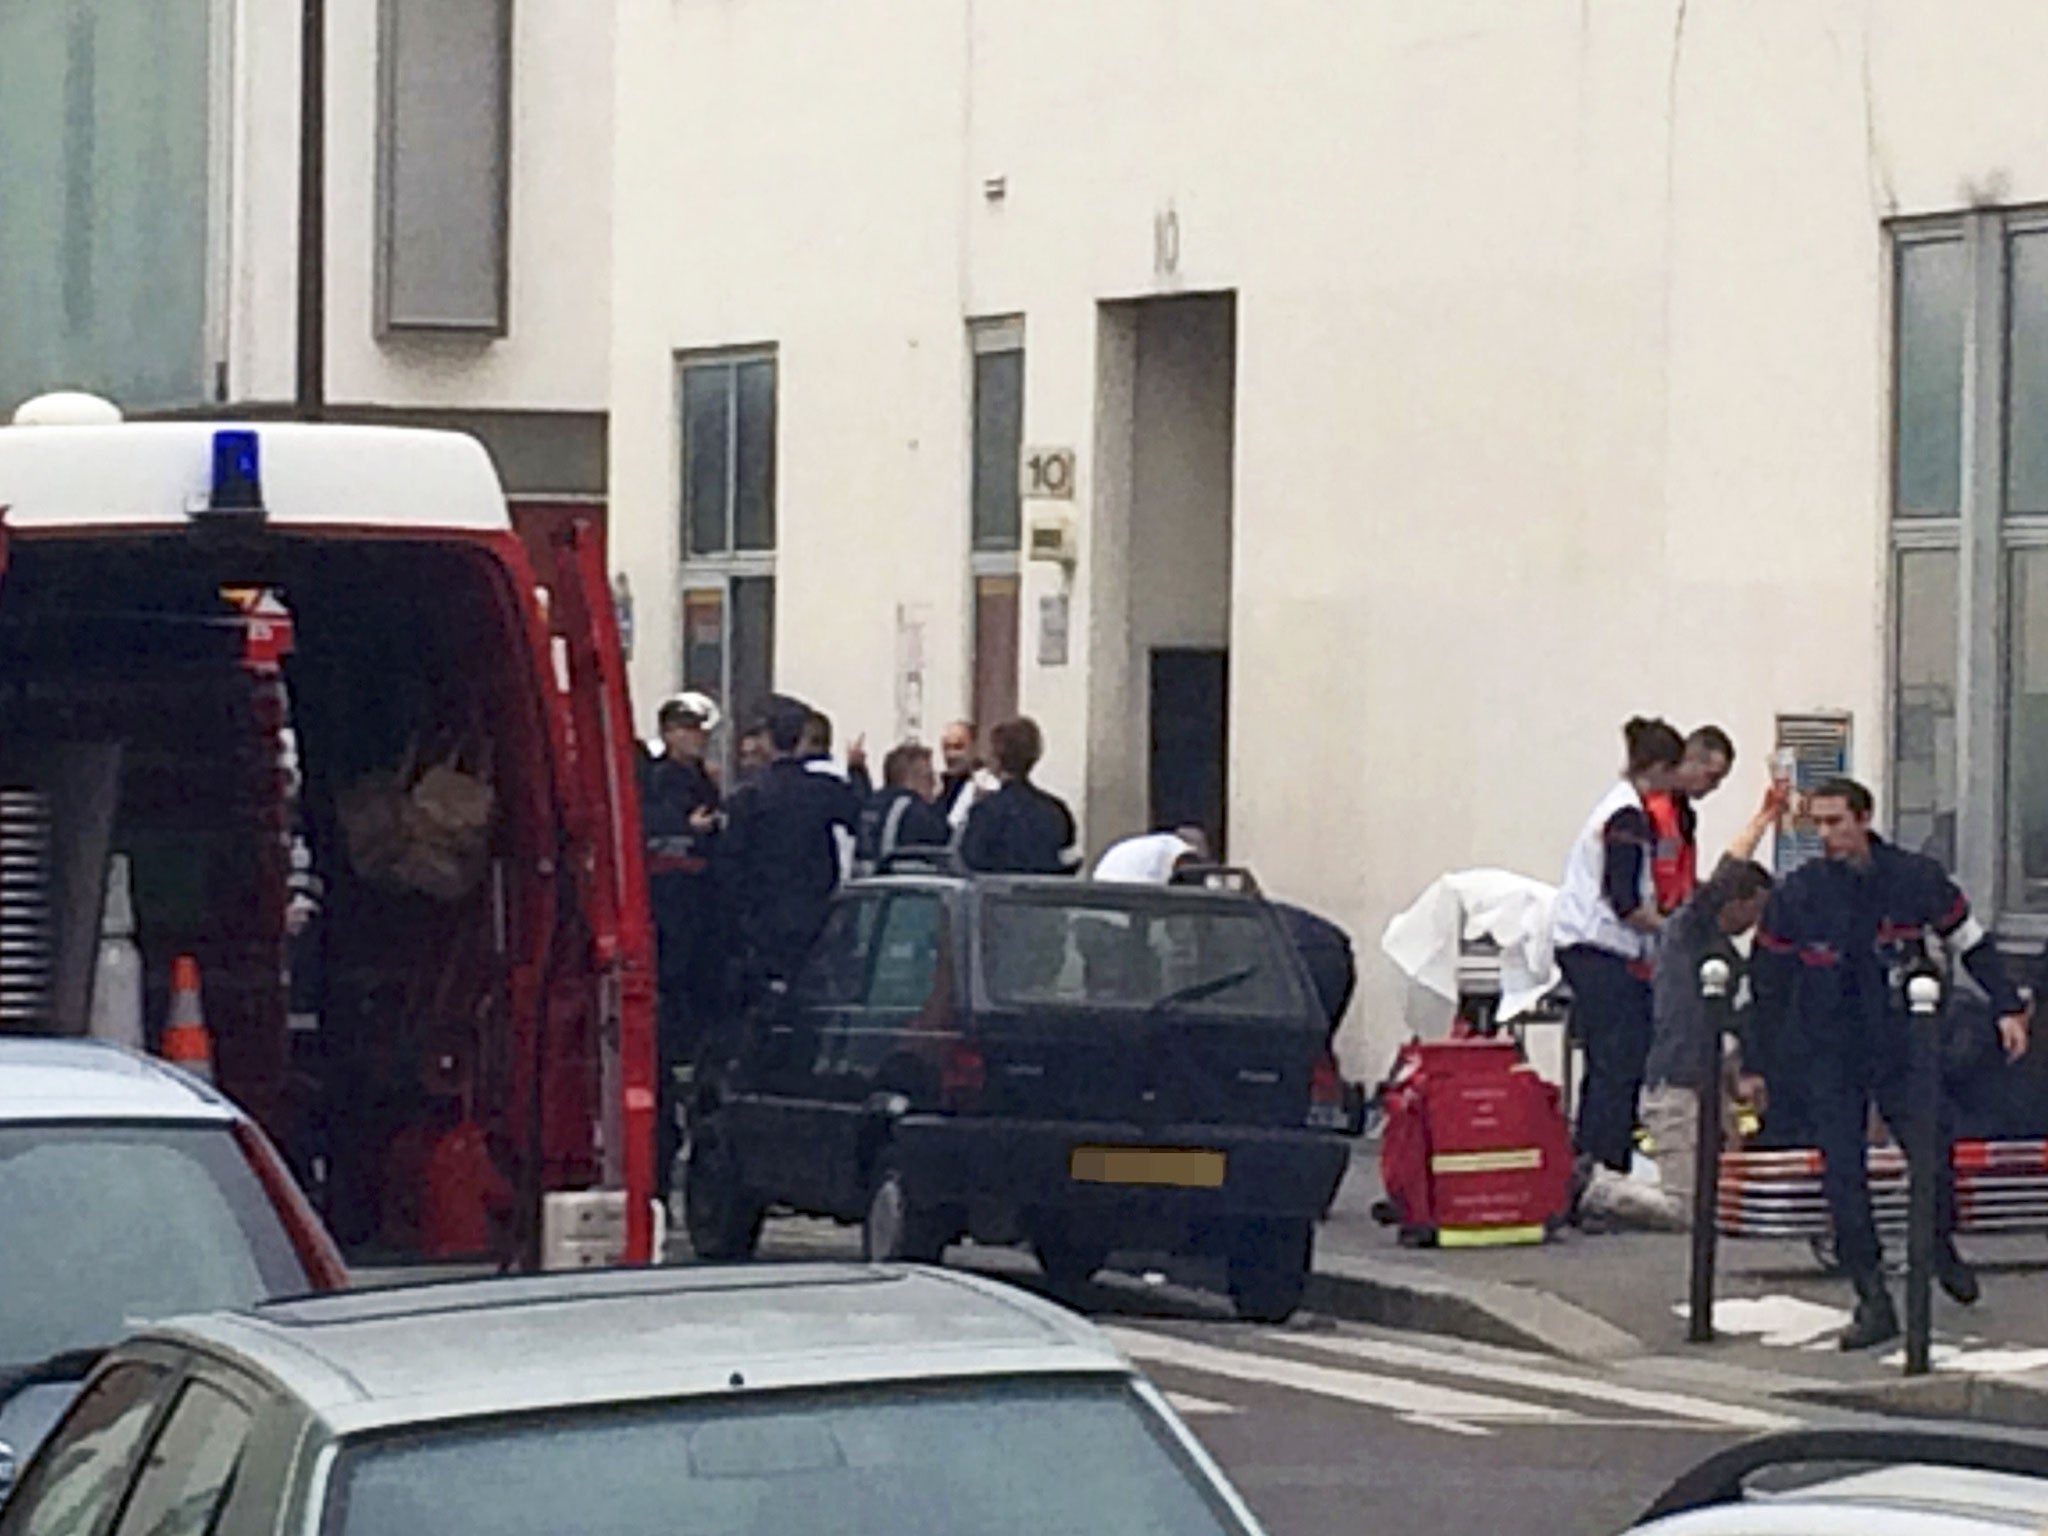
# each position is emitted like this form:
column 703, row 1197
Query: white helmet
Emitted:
column 700, row 706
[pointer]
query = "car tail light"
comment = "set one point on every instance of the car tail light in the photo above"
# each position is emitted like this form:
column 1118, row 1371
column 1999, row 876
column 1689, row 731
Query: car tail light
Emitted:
column 321, row 1260
column 1326, row 1109
column 963, row 1074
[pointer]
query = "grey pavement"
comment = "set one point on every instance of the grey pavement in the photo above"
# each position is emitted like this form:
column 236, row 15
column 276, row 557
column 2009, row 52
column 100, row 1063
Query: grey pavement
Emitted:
column 1620, row 1296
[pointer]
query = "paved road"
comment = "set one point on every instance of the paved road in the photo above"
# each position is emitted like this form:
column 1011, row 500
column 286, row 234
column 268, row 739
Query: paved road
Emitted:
column 1331, row 1429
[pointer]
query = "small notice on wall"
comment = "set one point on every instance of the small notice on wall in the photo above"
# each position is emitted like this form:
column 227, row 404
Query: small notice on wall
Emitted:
column 1053, row 612
column 911, row 622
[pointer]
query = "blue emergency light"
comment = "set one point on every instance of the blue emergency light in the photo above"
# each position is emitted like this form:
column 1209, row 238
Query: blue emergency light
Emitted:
column 237, row 472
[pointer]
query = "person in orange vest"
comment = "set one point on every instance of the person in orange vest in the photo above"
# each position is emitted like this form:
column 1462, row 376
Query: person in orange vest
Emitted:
column 1674, row 824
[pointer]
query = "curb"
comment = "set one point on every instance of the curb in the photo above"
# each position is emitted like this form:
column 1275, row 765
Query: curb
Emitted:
column 2004, row 1400
column 1484, row 1311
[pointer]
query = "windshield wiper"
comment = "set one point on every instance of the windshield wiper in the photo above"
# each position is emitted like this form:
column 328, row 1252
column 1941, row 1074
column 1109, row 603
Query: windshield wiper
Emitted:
column 1201, row 991
column 65, row 1365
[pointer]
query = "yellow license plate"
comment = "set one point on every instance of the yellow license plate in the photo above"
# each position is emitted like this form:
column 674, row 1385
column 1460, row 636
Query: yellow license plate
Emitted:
column 1177, row 1167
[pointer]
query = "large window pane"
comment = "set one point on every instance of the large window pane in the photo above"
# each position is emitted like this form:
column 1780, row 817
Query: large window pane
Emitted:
column 444, row 138
column 104, row 115
column 1924, row 746
column 753, row 642
column 754, row 484
column 998, row 446
column 2027, row 387
column 2026, row 770
column 707, row 448
column 1933, row 282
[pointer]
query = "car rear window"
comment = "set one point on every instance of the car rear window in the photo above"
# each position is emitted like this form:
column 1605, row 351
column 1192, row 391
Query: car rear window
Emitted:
column 1116, row 952
column 983, row 1459
column 106, row 1226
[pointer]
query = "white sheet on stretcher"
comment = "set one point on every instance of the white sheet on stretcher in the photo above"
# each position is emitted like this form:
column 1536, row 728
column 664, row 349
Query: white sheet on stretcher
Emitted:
column 1510, row 909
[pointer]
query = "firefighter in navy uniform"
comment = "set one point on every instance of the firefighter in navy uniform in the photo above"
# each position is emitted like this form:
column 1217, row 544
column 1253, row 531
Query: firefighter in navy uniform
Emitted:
column 1832, row 955
column 679, row 805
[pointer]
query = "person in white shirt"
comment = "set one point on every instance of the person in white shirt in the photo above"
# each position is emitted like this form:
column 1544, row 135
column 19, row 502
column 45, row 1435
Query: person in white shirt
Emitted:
column 1604, row 925
column 965, row 779
column 1152, row 859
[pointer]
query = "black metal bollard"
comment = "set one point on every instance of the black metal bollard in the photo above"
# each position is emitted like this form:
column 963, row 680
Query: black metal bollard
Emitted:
column 1923, row 1003
column 1714, row 979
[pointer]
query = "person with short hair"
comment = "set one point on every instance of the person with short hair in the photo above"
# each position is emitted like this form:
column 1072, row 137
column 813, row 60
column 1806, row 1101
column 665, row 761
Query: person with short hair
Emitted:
column 902, row 814
column 781, row 847
column 1020, row 829
column 1840, row 939
column 1605, row 923
column 1725, row 907
column 679, row 813
column 1674, row 818
column 964, row 780
column 1153, row 858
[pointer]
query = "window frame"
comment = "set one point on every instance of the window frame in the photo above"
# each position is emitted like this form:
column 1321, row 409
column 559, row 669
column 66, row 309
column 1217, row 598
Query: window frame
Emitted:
column 216, row 1384
column 391, row 323
column 167, row 1381
column 991, row 563
column 721, row 571
column 1984, row 539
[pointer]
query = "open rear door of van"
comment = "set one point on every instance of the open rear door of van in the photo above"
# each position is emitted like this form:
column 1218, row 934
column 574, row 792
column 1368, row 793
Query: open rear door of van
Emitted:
column 604, row 831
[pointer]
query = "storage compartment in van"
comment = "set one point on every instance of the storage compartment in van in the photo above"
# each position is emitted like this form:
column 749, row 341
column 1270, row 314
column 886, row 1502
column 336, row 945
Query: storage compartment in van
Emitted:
column 359, row 845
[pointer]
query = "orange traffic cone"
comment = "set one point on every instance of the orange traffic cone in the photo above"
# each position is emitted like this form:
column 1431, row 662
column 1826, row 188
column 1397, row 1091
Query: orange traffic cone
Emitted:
column 187, row 1042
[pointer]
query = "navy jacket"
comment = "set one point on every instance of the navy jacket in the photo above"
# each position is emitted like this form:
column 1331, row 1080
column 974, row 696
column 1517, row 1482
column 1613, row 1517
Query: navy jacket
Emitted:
column 780, row 857
column 1019, row 830
column 1835, row 945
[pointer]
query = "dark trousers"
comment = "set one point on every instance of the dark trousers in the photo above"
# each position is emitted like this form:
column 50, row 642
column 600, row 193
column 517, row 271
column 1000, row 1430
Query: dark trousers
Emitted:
column 1611, row 1008
column 686, row 943
column 1843, row 1079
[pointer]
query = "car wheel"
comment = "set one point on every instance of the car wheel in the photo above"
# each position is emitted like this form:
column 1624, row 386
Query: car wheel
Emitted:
column 1069, row 1263
column 896, row 1231
column 1269, row 1267
column 723, row 1216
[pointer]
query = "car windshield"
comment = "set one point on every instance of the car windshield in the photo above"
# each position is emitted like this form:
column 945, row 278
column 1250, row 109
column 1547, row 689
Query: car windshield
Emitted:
column 1114, row 951
column 985, row 1459
column 106, row 1226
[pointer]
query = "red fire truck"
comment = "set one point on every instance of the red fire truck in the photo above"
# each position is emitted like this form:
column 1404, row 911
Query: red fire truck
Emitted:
column 368, row 758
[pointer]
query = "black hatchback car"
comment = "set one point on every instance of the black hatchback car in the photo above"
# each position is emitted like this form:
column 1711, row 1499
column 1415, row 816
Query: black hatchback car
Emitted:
column 1087, row 1068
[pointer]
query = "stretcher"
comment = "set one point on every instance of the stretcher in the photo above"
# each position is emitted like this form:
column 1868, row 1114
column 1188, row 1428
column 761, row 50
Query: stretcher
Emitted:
column 2001, row 1186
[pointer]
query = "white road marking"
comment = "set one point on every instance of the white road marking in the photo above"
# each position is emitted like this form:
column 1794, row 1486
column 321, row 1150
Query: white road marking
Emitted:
column 1508, row 1374
column 1448, row 1426
column 1785, row 1322
column 1418, row 1402
column 1189, row 1406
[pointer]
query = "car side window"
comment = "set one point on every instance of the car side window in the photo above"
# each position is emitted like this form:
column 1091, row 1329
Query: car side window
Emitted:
column 837, row 968
column 190, row 1469
column 73, row 1487
column 907, row 953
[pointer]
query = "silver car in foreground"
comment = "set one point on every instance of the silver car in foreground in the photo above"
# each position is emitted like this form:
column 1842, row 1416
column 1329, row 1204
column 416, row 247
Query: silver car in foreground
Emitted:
column 804, row 1400
column 1899, row 1478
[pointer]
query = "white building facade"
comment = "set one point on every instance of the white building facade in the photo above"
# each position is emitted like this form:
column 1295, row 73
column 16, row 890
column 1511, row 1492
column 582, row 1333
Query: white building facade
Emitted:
column 150, row 249
column 1418, row 390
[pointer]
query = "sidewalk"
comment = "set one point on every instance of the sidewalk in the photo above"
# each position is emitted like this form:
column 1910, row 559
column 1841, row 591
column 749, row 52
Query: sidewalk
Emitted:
column 1617, row 1296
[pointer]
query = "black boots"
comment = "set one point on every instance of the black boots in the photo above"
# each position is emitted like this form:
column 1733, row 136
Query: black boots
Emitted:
column 1875, row 1321
column 1956, row 1277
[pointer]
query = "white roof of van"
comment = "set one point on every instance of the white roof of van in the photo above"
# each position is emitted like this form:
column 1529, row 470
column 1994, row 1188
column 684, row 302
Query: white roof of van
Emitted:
column 157, row 474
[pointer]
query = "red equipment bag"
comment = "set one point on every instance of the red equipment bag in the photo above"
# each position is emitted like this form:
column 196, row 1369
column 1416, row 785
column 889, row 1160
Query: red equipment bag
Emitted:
column 1476, row 1149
